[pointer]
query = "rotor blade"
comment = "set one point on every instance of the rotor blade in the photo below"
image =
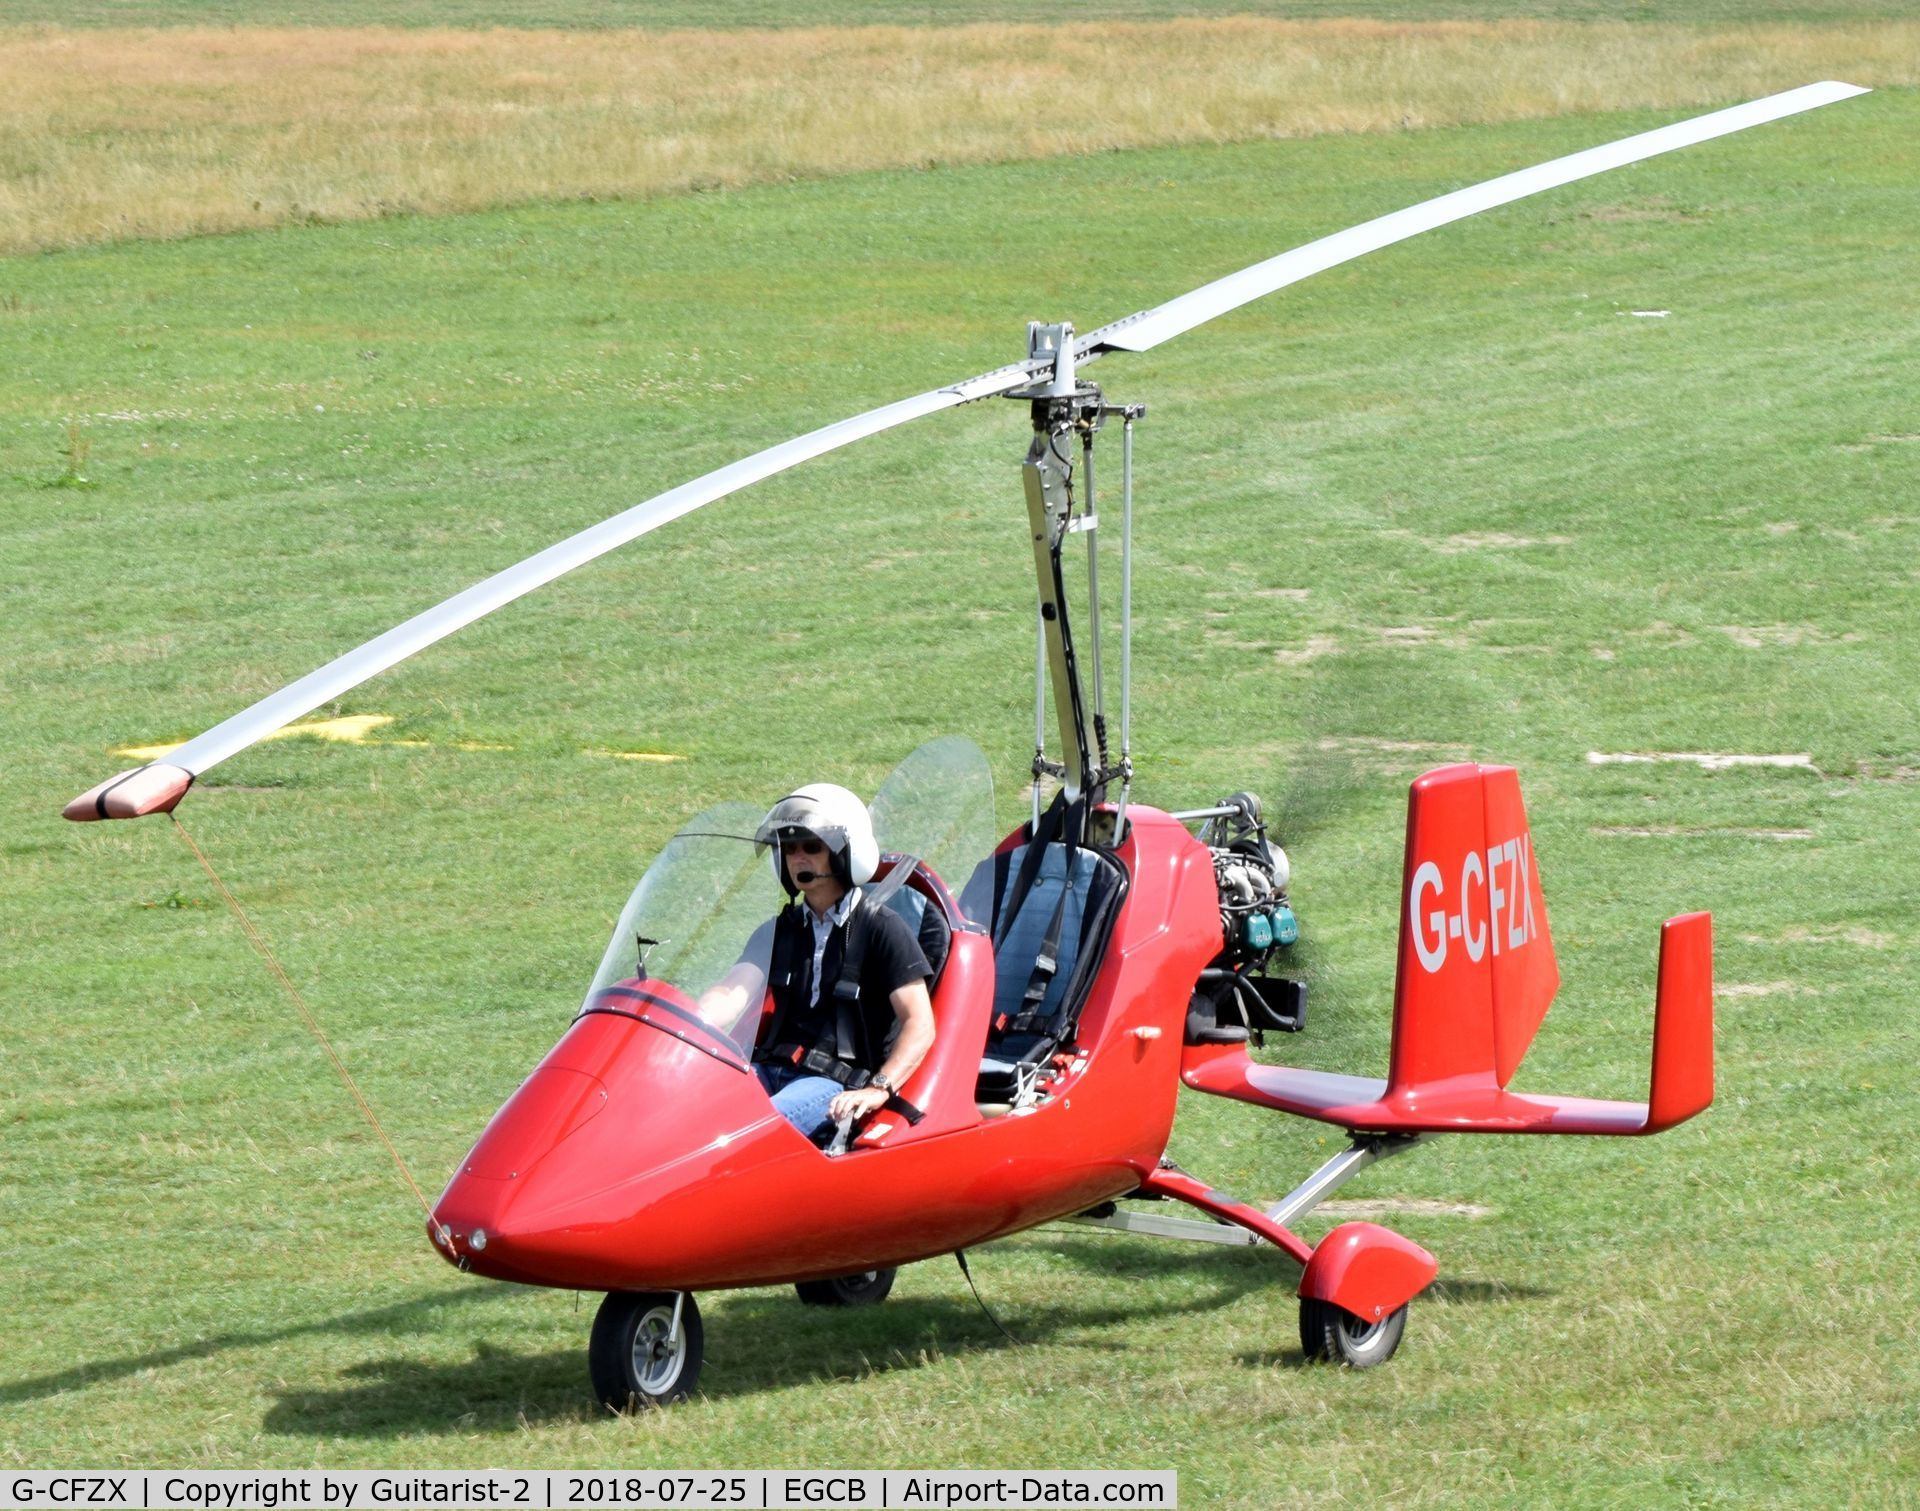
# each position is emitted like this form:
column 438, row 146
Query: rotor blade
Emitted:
column 160, row 785
column 1147, row 329
column 356, row 666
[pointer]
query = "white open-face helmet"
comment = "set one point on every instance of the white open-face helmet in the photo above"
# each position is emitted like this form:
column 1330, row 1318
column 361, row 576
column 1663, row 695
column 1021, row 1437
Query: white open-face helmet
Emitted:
column 840, row 820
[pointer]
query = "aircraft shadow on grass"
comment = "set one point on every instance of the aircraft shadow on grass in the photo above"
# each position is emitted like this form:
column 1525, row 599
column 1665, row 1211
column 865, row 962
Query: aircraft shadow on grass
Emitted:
column 397, row 1395
column 762, row 1341
column 1441, row 1293
column 404, row 1316
column 767, row 1341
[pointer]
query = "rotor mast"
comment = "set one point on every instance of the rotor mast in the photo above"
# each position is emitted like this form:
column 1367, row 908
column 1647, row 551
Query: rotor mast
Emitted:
column 1067, row 415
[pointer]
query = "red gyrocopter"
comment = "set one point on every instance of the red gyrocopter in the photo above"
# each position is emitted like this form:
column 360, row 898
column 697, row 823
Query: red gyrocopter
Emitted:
column 1095, row 961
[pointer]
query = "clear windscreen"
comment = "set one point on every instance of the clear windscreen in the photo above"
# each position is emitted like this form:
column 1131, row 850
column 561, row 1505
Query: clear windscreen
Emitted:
column 938, row 807
column 700, row 919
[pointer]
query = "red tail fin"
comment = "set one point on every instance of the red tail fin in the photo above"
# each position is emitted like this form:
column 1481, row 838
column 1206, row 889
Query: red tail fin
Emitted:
column 1477, row 972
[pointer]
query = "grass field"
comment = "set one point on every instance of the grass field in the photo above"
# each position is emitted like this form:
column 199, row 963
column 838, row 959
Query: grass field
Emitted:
column 710, row 14
column 112, row 135
column 1453, row 499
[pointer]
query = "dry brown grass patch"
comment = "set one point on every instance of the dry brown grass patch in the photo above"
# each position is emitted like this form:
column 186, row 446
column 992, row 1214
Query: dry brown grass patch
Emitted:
column 151, row 133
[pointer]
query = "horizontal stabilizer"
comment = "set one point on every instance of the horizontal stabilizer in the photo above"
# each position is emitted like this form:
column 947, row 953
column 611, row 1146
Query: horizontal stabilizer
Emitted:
column 1682, row 1072
column 1364, row 1105
column 1477, row 972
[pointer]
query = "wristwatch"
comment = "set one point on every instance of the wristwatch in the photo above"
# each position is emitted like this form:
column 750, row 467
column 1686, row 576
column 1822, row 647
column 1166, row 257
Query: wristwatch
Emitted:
column 880, row 1080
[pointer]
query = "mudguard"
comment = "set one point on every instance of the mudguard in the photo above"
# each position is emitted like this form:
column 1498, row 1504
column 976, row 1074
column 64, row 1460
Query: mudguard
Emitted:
column 1367, row 1270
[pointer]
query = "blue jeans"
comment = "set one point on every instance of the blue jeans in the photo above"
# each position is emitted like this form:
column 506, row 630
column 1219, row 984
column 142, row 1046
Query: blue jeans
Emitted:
column 798, row 1097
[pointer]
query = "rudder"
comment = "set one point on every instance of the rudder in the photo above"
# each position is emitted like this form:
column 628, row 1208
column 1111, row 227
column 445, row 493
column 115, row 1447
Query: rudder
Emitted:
column 1476, row 969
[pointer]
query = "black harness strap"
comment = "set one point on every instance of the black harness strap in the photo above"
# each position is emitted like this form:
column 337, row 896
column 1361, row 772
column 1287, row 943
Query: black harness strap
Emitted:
column 790, row 971
column 1043, row 834
column 783, row 969
column 1046, row 962
column 816, row 1061
column 1063, row 821
column 849, row 1029
column 897, row 1103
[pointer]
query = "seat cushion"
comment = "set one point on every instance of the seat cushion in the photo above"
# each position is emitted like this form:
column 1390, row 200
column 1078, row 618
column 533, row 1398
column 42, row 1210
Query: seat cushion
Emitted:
column 1018, row 950
column 929, row 926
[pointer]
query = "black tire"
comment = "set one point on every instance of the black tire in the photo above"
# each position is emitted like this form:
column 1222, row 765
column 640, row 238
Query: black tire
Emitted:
column 627, row 1355
column 1327, row 1332
column 867, row 1289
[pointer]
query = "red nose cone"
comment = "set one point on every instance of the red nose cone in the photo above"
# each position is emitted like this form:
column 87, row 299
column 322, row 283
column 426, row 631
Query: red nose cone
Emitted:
column 584, row 1178
column 554, row 1103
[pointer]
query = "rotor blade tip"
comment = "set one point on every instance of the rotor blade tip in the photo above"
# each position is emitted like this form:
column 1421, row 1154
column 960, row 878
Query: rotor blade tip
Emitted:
column 156, row 788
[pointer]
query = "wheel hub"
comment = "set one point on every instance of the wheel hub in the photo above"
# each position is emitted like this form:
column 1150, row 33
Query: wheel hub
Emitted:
column 657, row 1353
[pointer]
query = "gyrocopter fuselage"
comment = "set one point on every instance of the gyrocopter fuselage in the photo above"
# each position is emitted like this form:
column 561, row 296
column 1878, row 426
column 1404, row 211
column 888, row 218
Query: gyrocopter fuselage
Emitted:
column 1087, row 966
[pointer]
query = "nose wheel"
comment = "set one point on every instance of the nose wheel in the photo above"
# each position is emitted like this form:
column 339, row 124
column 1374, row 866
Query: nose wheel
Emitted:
column 868, row 1288
column 645, row 1349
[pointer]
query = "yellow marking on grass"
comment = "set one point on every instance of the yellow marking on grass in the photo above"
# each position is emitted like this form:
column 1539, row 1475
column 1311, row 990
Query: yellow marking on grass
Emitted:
column 348, row 729
column 660, row 757
column 135, row 133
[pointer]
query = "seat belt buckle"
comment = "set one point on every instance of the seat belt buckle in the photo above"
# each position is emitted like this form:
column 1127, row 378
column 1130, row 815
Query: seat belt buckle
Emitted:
column 842, row 1136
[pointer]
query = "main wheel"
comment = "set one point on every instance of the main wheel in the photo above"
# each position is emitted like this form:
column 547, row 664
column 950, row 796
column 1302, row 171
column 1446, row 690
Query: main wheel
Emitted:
column 634, row 1357
column 1328, row 1332
column 868, row 1288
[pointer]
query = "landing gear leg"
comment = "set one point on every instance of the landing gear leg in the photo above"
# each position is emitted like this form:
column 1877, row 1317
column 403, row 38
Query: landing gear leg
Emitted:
column 645, row 1349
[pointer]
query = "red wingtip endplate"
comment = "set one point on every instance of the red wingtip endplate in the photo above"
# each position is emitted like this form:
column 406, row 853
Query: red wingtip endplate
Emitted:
column 132, row 794
column 1683, row 1023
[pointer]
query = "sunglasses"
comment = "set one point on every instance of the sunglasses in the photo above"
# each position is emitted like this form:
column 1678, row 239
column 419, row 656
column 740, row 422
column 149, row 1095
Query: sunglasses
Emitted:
column 808, row 846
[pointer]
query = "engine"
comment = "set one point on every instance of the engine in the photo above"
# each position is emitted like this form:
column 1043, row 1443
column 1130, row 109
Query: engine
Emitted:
column 1238, row 995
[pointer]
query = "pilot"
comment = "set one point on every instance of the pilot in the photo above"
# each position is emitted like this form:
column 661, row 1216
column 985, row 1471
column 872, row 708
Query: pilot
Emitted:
column 851, row 1017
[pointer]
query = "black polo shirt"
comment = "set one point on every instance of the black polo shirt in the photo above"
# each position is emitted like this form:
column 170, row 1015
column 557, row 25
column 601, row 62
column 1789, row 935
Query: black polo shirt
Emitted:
column 893, row 958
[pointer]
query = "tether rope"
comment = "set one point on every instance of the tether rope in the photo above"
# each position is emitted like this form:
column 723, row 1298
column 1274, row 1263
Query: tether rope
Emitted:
column 259, row 942
column 961, row 1255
